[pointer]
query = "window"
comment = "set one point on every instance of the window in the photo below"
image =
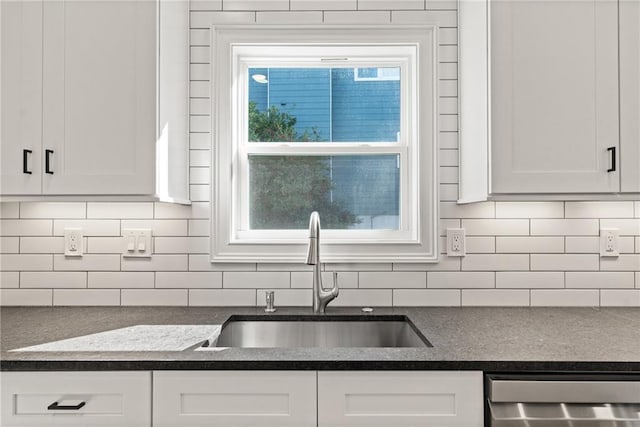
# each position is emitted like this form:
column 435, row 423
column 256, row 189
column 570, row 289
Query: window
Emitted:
column 338, row 120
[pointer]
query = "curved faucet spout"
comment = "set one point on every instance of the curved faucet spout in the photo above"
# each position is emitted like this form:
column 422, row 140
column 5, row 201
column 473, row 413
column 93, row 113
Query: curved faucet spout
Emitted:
column 321, row 297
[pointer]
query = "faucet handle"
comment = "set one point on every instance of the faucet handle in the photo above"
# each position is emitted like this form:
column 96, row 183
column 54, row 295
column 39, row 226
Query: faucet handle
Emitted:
column 270, row 296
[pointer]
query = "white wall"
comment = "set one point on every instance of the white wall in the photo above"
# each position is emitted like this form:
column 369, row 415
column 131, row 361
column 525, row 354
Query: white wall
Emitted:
column 535, row 253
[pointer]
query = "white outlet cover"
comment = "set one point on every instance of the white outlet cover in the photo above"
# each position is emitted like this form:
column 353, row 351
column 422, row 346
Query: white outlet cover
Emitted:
column 73, row 242
column 609, row 242
column 456, row 242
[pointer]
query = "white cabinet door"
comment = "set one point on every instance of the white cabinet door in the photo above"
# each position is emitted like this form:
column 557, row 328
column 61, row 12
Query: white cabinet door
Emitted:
column 99, row 96
column 630, row 94
column 400, row 399
column 234, row 398
column 75, row 399
column 554, row 96
column 21, row 96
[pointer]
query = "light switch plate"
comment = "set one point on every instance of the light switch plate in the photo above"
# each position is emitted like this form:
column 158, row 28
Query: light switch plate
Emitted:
column 73, row 242
column 136, row 243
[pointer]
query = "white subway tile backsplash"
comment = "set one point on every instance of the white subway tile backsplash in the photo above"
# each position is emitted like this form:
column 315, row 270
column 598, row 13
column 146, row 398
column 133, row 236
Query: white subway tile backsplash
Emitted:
column 442, row 4
column 529, row 279
column 203, row 263
column 306, row 17
column 207, row 19
column 256, row 280
column 104, row 245
column 393, row 279
column 565, row 297
column 599, row 209
column 480, row 245
column 637, row 209
column 447, row 35
column 448, row 157
column 205, row 5
column 495, row 262
column 507, row 244
column 19, row 297
column 394, row 5
column 436, row 279
column 448, row 174
column 448, row 105
column 200, row 158
column 199, row 227
column 323, row 4
column 582, row 244
column 87, row 297
column 448, row 53
column 26, row 262
column 159, row 227
column 529, row 209
column 9, row 245
column 42, row 245
column 52, row 210
column 471, row 210
column 304, row 279
column 53, row 279
column 9, row 210
column 442, row 18
column 113, row 210
column 495, row 297
column 199, row 175
column 26, row 227
column 625, row 262
column 597, row 279
column 9, row 279
column 190, row 280
column 181, row 245
column 222, row 297
column 287, row 297
column 199, row 193
column 255, row 5
column 364, row 298
column 173, row 297
column 426, row 297
column 120, row 279
column 156, row 263
column 87, row 262
column 619, row 298
column 564, row 262
column 496, row 227
column 448, row 88
column 448, row 140
column 357, row 17
column 90, row 227
column 564, row 227
column 444, row 264
column 627, row 227
column 199, row 141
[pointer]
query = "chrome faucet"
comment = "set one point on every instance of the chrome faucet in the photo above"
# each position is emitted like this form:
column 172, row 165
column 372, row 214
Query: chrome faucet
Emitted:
column 321, row 297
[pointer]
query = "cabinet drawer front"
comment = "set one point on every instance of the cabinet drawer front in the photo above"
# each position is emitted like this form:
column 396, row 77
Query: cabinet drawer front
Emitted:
column 235, row 398
column 394, row 399
column 76, row 399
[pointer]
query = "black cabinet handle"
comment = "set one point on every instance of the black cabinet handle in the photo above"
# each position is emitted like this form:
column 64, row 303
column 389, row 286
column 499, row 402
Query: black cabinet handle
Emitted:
column 612, row 150
column 55, row 407
column 25, row 161
column 47, row 163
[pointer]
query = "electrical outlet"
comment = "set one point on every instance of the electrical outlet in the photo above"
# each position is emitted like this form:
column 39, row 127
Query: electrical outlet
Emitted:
column 73, row 242
column 609, row 242
column 136, row 242
column 455, row 242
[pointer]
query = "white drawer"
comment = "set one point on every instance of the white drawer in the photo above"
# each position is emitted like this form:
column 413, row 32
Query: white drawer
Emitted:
column 76, row 399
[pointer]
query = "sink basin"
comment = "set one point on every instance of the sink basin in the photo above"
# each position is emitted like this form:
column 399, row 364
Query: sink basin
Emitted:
column 319, row 331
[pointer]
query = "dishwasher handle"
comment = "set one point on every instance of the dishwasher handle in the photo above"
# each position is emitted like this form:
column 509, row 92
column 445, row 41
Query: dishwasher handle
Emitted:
column 542, row 391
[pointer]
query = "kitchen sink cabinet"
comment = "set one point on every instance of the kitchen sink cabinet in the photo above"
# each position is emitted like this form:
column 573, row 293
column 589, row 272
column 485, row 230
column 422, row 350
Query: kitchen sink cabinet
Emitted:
column 323, row 398
column 85, row 399
column 85, row 98
column 234, row 398
column 400, row 398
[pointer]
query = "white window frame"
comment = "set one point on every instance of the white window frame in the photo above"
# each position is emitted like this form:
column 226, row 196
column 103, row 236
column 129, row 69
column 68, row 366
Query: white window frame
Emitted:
column 235, row 49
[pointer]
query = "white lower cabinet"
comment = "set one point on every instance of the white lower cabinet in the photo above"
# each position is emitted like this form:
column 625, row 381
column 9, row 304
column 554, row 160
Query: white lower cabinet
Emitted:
column 322, row 399
column 400, row 399
column 234, row 398
column 75, row 399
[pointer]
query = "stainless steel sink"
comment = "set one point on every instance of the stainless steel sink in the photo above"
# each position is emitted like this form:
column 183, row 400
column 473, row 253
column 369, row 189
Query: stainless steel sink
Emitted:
column 319, row 331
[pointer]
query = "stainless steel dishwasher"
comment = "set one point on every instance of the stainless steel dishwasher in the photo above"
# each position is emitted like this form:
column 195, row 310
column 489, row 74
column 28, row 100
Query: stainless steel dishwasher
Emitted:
column 548, row 401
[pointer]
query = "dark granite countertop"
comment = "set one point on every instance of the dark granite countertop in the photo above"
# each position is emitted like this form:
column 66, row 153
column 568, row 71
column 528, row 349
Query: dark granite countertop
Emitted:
column 489, row 339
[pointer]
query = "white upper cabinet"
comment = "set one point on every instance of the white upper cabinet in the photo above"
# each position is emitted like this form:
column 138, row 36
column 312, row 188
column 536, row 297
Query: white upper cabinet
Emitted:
column 93, row 125
column 554, row 96
column 630, row 94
